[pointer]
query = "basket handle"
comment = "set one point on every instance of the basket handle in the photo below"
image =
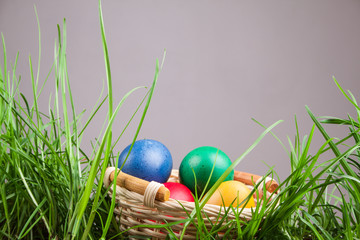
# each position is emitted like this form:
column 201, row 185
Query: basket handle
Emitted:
column 138, row 185
column 251, row 179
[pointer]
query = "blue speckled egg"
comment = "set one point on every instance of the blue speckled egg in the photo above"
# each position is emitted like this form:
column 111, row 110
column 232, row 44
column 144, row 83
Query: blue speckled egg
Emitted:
column 149, row 160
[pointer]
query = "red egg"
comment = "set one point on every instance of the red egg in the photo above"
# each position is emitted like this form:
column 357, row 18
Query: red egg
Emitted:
column 179, row 191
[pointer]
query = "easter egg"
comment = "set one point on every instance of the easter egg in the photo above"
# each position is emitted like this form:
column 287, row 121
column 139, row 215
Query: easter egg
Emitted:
column 149, row 160
column 231, row 193
column 206, row 163
column 179, row 191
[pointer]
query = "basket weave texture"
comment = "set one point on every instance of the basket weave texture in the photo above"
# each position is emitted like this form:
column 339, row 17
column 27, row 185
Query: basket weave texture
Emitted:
column 133, row 209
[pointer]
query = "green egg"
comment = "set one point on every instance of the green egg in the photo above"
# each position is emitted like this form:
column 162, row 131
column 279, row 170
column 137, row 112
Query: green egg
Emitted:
column 201, row 161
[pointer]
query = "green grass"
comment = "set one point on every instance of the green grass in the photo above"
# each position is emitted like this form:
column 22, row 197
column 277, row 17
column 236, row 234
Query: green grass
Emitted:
column 51, row 189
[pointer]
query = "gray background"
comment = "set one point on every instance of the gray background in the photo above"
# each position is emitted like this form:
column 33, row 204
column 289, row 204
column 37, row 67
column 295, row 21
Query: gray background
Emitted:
column 227, row 62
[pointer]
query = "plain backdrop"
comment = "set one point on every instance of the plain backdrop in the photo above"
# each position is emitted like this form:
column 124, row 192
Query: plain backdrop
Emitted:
column 226, row 63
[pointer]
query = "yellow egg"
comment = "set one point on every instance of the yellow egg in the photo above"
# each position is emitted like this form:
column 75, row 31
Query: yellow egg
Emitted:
column 231, row 192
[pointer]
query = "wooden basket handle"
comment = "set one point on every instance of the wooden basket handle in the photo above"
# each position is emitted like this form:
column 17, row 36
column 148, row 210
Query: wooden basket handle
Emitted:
column 138, row 185
column 250, row 179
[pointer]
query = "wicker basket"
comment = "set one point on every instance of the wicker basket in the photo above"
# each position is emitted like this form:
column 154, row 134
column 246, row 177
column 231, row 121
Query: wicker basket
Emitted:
column 134, row 209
